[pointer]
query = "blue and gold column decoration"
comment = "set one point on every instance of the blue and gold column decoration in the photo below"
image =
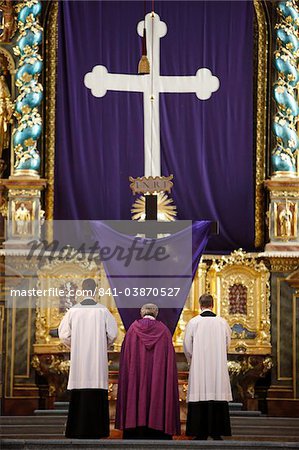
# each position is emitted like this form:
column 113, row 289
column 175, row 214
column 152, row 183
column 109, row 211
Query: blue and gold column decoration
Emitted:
column 285, row 91
column 29, row 126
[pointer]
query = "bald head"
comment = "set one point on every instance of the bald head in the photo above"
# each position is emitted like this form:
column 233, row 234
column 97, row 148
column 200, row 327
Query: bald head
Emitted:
column 149, row 309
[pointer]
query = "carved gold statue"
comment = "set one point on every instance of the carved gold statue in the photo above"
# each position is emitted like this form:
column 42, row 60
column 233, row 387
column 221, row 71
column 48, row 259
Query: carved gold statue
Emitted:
column 22, row 218
column 285, row 220
column 6, row 111
column 7, row 20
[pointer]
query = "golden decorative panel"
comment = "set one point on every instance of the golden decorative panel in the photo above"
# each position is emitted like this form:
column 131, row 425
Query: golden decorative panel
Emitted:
column 282, row 263
column 240, row 286
column 283, row 213
column 62, row 277
column 8, row 24
column 56, row 275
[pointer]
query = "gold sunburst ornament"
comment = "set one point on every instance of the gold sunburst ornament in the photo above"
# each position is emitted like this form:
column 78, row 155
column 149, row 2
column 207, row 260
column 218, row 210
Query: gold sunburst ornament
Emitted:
column 166, row 209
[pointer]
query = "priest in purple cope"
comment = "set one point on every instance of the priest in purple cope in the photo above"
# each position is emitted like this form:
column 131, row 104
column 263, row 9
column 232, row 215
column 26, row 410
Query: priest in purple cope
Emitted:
column 148, row 398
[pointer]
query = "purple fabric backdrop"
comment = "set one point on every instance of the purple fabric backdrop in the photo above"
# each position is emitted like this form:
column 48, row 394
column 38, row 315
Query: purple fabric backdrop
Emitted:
column 207, row 145
column 184, row 250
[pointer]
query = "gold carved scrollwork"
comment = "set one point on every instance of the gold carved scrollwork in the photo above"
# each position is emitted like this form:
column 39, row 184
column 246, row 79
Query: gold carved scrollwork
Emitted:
column 234, row 367
column 59, row 366
column 244, row 371
column 283, row 264
column 285, row 194
column 35, row 362
column 4, row 207
column 24, row 193
column 41, row 328
column 8, row 24
column 55, row 368
column 54, row 277
column 55, row 364
column 250, row 331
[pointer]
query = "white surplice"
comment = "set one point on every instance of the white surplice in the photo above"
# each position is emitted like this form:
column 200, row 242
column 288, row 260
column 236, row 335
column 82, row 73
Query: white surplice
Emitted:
column 205, row 345
column 88, row 330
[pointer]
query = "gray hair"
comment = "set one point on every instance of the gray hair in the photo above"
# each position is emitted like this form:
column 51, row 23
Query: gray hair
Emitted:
column 149, row 309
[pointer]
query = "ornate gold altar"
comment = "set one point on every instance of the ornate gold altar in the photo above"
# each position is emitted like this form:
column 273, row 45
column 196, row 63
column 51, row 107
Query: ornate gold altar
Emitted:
column 33, row 364
column 239, row 284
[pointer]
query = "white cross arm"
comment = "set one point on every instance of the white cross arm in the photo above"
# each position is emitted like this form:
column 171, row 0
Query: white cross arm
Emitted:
column 99, row 81
column 203, row 84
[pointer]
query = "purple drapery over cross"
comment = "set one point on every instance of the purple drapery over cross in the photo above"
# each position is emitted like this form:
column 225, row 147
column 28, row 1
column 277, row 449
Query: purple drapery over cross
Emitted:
column 184, row 248
column 207, row 145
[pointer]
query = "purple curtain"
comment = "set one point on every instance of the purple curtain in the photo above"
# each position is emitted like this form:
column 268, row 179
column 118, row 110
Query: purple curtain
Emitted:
column 172, row 276
column 207, row 145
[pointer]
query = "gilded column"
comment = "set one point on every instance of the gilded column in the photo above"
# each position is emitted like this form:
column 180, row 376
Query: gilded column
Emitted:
column 284, row 184
column 285, row 91
column 25, row 185
column 29, row 126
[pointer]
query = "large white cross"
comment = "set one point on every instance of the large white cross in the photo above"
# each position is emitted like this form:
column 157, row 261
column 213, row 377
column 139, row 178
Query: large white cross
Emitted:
column 203, row 84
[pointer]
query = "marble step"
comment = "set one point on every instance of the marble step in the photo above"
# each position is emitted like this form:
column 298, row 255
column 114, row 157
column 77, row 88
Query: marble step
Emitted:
column 32, row 429
column 61, row 408
column 235, row 406
column 27, row 437
column 265, row 428
column 260, row 421
column 61, row 405
column 27, row 420
column 53, row 430
column 240, row 413
column 50, row 412
column 54, row 412
column 232, row 406
column 266, row 421
column 65, row 444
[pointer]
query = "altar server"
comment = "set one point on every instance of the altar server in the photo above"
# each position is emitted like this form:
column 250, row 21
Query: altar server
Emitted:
column 88, row 328
column 206, row 342
column 148, row 399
